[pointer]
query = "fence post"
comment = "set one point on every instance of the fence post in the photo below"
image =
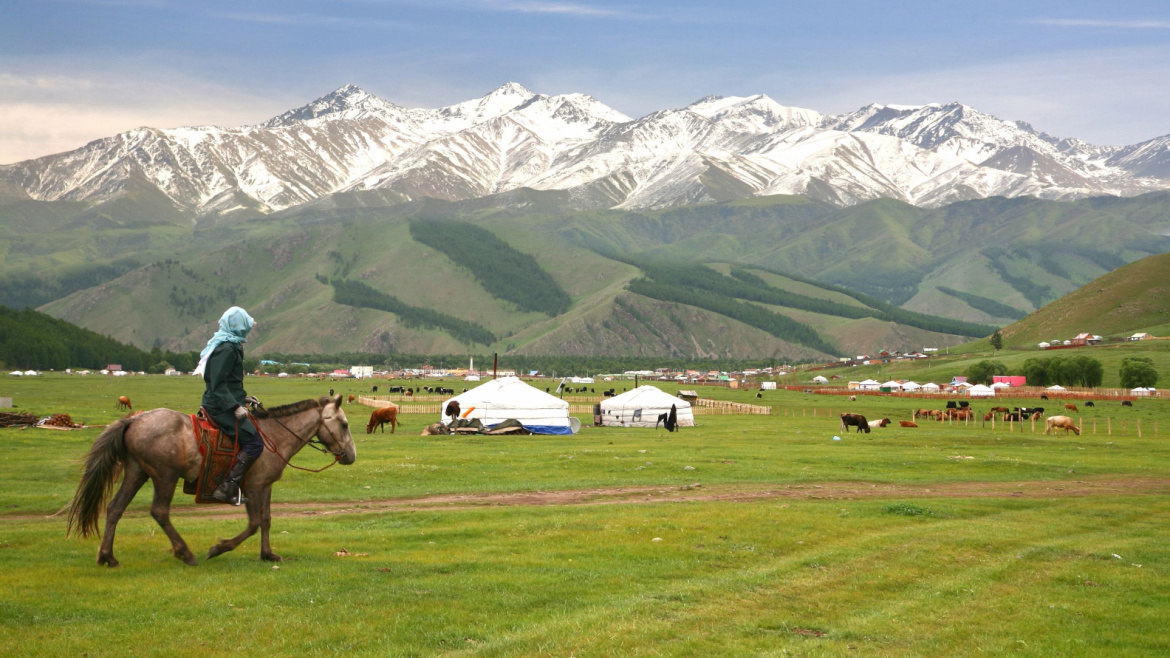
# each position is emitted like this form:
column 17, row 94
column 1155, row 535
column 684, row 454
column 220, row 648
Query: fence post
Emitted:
column 1123, row 423
column 1033, row 424
column 1080, row 424
column 1011, row 423
column 1109, row 426
column 1094, row 426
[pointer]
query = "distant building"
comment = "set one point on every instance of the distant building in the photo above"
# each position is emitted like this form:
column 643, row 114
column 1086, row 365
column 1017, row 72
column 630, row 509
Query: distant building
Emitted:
column 114, row 367
column 1140, row 336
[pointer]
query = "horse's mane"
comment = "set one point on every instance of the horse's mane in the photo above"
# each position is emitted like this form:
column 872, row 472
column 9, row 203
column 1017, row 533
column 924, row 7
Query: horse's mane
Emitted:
column 289, row 409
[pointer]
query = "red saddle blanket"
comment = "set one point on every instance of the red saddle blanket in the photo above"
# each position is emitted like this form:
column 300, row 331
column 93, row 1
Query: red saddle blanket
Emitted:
column 219, row 453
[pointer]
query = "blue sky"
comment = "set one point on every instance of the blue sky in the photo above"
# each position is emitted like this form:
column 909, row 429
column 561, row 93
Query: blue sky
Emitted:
column 75, row 70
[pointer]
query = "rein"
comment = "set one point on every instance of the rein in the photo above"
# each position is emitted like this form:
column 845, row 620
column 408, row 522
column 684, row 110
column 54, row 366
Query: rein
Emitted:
column 270, row 445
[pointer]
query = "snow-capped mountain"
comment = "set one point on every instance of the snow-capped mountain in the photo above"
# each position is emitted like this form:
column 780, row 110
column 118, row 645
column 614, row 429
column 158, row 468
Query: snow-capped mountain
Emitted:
column 715, row 148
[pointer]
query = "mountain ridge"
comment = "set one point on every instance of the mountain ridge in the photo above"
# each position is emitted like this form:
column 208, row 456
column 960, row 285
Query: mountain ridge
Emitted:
column 713, row 149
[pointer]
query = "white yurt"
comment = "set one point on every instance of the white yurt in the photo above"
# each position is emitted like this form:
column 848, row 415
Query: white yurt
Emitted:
column 1044, row 346
column 283, row 375
column 1001, row 385
column 869, row 385
column 930, row 387
column 31, row 373
column 981, row 391
column 820, row 379
column 509, row 398
column 1140, row 391
column 641, row 408
column 1055, row 387
column 892, row 385
column 911, row 387
column 17, row 373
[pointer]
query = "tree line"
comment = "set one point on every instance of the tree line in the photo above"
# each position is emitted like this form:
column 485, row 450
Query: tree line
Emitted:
column 1081, row 371
column 988, row 306
column 31, row 340
column 29, row 290
column 356, row 293
column 503, row 271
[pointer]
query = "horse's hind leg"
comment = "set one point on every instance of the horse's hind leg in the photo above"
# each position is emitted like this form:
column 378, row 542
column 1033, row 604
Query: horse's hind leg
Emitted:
column 265, row 511
column 132, row 480
column 160, row 509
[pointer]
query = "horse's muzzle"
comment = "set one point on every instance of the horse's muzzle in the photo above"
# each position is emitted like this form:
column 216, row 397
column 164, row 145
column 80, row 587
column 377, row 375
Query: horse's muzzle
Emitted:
column 348, row 457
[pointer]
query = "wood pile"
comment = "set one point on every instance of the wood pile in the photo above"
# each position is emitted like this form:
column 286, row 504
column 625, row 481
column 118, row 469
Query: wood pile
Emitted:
column 61, row 420
column 10, row 419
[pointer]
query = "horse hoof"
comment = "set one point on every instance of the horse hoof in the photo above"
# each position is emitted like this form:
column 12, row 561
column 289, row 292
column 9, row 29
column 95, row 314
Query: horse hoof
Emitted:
column 215, row 550
column 108, row 561
column 271, row 557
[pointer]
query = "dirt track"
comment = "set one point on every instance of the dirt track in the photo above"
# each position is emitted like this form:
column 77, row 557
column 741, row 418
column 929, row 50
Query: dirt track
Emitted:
column 724, row 493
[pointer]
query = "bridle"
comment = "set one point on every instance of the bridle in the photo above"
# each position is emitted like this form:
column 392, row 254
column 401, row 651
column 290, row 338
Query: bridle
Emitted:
column 314, row 442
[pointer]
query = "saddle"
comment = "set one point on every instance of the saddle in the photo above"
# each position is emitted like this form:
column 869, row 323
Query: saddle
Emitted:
column 219, row 453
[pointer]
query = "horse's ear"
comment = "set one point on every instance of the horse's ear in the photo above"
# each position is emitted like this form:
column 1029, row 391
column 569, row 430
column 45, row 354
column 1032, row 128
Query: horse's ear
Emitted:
column 338, row 400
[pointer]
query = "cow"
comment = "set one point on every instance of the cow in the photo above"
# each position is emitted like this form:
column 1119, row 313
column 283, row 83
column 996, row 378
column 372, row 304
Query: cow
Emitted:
column 1071, row 407
column 853, row 398
column 452, row 411
column 961, row 414
column 759, row 395
column 374, row 389
column 1000, row 410
column 951, row 404
column 1035, row 415
column 330, row 392
column 124, row 402
column 351, row 399
column 409, row 393
column 1043, row 397
column 989, row 415
column 907, row 423
column 1126, row 403
column 874, row 424
column 854, row 420
column 1057, row 422
column 1012, row 417
column 1090, row 404
column 1030, row 411
column 382, row 416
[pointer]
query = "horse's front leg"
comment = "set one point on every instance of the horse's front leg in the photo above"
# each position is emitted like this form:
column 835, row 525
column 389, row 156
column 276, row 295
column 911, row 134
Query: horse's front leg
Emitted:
column 253, row 508
column 132, row 480
column 160, row 509
column 265, row 525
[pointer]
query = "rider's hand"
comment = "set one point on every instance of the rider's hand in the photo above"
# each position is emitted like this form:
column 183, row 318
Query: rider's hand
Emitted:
column 252, row 402
column 241, row 413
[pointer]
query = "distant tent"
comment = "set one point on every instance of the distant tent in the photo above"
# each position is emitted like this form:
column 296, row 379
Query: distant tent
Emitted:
column 892, row 385
column 911, row 386
column 283, row 375
column 981, row 391
column 641, row 408
column 31, row 373
column 1141, row 390
column 930, row 387
column 1001, row 385
column 1044, row 346
column 508, row 397
column 1056, row 387
column 16, row 373
column 869, row 385
column 820, row 379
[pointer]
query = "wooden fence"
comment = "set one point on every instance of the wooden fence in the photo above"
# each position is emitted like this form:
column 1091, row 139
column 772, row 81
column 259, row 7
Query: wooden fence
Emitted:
column 1107, row 394
column 703, row 407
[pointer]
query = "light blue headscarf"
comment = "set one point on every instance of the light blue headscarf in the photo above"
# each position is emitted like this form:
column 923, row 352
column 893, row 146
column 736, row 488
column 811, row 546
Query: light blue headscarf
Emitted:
column 233, row 328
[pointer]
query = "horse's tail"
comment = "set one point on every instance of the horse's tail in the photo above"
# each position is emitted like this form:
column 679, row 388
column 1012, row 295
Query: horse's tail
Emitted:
column 103, row 464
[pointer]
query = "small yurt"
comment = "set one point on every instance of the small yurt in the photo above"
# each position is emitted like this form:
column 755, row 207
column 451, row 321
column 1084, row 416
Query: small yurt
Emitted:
column 1140, row 391
column 930, row 387
column 870, row 385
column 911, row 387
column 981, row 391
column 894, row 386
column 642, row 406
column 820, row 379
column 509, row 398
column 1055, row 387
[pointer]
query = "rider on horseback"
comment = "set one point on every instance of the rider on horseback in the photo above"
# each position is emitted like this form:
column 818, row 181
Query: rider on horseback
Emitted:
column 222, row 365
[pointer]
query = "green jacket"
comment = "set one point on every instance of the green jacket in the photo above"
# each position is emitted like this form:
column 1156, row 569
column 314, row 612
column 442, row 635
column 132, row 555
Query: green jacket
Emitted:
column 224, row 377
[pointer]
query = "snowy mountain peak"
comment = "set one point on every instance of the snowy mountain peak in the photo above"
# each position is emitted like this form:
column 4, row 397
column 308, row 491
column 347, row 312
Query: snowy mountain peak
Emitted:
column 349, row 100
column 756, row 113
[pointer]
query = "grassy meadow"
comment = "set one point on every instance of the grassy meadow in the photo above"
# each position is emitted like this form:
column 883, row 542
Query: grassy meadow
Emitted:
column 940, row 540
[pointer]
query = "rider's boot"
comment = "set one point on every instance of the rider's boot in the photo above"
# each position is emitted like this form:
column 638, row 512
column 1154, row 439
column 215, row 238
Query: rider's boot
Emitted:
column 229, row 490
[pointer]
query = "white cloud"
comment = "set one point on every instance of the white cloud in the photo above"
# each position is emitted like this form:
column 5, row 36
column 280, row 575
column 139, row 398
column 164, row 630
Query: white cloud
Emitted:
column 1092, row 22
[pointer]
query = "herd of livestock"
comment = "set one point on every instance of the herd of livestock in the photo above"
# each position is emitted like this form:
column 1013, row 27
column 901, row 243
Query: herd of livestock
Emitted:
column 962, row 412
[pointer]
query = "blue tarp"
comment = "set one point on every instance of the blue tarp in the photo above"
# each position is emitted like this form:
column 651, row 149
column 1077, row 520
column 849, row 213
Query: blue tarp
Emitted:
column 545, row 429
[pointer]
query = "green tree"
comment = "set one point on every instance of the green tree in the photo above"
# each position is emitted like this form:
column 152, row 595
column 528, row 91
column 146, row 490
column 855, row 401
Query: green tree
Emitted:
column 1138, row 371
column 997, row 340
column 982, row 372
column 1036, row 372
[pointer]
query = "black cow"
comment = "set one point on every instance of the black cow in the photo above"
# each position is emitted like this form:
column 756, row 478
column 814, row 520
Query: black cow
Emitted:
column 1126, row 403
column 375, row 389
column 1090, row 404
column 854, row 420
column 951, row 404
column 1043, row 397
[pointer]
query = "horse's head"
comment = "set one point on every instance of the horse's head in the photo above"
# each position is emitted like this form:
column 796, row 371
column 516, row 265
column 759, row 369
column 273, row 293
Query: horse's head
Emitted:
column 334, row 432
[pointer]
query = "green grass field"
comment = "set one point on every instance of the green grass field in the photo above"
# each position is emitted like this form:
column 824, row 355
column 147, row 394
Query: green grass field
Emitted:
column 932, row 541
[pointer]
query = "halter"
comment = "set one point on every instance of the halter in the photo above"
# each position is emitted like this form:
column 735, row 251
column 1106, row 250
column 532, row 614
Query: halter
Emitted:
column 314, row 442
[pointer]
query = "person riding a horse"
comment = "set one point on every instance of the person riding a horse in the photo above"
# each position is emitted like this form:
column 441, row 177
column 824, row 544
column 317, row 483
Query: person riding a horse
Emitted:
column 222, row 366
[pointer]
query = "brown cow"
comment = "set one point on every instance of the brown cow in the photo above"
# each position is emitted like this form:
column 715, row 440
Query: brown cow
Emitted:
column 1056, row 422
column 874, row 424
column 351, row 399
column 988, row 416
column 382, row 416
column 1000, row 410
column 854, row 420
column 907, row 423
column 1036, row 415
column 960, row 414
column 1072, row 407
column 124, row 402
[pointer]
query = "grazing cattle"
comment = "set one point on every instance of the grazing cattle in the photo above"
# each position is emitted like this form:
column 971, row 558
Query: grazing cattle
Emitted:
column 874, row 424
column 988, row 416
column 1043, row 397
column 452, row 411
column 1035, row 415
column 1126, row 403
column 963, row 404
column 330, row 392
column 374, row 389
column 1071, row 407
column 1012, row 417
column 351, row 399
column 382, row 416
column 759, row 395
column 608, row 394
column 961, row 414
column 1000, row 410
column 853, row 398
column 921, row 412
column 1029, row 411
column 854, row 420
column 397, row 389
column 409, row 392
column 907, row 423
column 1090, row 404
column 1057, row 422
column 124, row 402
column 465, row 389
column 951, row 404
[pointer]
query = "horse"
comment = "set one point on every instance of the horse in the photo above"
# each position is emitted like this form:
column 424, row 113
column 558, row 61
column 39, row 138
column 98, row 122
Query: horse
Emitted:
column 382, row 416
column 161, row 445
column 124, row 402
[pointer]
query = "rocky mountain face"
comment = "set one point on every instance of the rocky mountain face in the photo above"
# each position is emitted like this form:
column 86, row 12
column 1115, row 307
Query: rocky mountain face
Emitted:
column 714, row 149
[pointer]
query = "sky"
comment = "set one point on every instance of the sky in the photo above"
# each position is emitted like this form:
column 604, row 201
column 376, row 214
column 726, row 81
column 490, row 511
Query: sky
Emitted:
column 72, row 71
